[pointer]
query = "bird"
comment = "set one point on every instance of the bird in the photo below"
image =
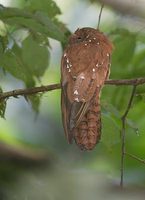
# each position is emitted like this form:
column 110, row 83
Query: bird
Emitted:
column 85, row 66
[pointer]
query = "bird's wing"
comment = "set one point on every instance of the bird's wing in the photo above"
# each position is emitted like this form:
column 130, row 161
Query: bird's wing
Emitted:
column 82, row 72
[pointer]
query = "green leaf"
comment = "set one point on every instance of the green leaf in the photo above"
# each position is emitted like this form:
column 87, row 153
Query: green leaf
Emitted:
column 125, row 44
column 141, row 36
column 3, row 30
column 138, row 64
column 65, row 31
column 38, row 22
column 2, row 106
column 133, row 125
column 12, row 62
column 36, row 57
column 111, row 109
column 35, row 102
column 3, row 44
column 27, row 62
column 47, row 6
column 112, row 113
column 111, row 132
column 40, row 39
column 53, row 31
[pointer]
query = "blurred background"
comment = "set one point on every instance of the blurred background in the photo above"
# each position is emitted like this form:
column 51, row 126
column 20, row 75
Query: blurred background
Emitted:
column 36, row 161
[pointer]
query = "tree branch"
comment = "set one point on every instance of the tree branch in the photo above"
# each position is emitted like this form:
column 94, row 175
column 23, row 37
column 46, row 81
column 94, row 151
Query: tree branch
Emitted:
column 127, row 7
column 46, row 88
column 137, row 81
column 126, row 82
column 123, row 134
column 135, row 157
column 28, row 91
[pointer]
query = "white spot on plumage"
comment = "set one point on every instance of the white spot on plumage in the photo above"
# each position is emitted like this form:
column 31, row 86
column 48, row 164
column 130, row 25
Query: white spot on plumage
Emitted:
column 74, row 78
column 82, row 77
column 97, row 65
column 64, row 55
column 107, row 54
column 67, row 66
column 85, row 44
column 98, row 43
column 76, row 92
column 90, row 40
column 67, row 60
column 94, row 38
column 69, row 70
column 93, row 69
column 70, row 65
column 77, row 99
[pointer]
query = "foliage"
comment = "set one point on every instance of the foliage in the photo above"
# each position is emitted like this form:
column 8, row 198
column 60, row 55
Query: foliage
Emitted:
column 24, row 39
column 25, row 35
column 2, row 106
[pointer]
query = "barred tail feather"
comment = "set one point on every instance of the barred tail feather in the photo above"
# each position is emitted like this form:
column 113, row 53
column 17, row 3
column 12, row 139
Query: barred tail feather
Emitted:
column 87, row 133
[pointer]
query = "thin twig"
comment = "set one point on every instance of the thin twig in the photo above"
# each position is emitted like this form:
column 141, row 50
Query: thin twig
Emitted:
column 99, row 19
column 129, row 103
column 46, row 88
column 123, row 131
column 135, row 157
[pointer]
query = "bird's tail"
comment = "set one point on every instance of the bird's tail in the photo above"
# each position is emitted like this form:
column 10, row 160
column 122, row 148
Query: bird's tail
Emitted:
column 88, row 132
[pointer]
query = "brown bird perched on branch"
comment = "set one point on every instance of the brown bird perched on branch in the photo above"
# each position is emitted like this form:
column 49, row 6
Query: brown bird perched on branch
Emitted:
column 84, row 68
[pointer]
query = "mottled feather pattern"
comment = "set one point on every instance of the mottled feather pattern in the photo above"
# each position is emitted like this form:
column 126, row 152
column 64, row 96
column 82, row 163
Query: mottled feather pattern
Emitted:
column 87, row 133
column 85, row 67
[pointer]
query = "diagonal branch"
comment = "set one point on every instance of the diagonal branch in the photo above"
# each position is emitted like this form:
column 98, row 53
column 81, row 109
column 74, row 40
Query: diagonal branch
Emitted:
column 46, row 88
column 123, row 134
column 135, row 157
